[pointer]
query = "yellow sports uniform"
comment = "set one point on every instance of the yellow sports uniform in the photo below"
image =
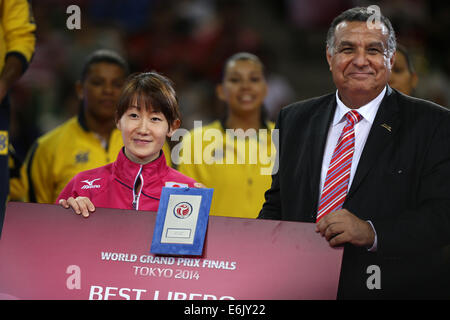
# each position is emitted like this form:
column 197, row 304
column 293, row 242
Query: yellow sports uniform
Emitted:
column 17, row 39
column 60, row 154
column 16, row 30
column 237, row 167
column 15, row 182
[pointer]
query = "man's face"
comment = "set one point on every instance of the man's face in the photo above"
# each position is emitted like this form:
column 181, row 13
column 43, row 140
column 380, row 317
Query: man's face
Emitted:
column 360, row 64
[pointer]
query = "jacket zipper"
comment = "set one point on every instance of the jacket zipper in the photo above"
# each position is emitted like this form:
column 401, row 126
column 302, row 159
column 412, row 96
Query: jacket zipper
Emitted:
column 137, row 196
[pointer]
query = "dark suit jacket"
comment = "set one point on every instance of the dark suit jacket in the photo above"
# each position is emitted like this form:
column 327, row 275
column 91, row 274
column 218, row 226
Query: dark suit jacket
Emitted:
column 402, row 184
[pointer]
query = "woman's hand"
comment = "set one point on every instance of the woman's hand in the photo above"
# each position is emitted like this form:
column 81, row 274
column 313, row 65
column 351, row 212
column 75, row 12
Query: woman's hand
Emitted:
column 80, row 205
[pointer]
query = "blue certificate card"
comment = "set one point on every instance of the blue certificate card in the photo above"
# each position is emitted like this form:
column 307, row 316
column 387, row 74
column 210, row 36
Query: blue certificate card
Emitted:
column 181, row 221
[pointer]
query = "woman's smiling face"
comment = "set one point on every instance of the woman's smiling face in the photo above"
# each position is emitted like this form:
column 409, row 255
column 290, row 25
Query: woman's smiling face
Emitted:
column 244, row 87
column 143, row 132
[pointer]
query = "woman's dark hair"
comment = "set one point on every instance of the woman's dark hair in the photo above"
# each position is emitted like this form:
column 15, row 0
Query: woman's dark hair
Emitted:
column 153, row 91
column 244, row 56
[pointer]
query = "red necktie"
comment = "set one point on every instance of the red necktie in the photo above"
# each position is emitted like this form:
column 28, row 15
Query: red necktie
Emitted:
column 338, row 174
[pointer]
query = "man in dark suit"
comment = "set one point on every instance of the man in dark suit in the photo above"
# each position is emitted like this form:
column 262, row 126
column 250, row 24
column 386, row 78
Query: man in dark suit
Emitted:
column 392, row 212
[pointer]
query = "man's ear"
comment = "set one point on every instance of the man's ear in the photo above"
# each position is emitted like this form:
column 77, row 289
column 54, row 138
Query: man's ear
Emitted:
column 175, row 125
column 329, row 56
column 79, row 90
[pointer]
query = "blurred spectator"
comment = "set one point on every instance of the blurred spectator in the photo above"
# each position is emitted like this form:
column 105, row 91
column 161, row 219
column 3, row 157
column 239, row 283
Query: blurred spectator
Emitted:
column 195, row 95
column 237, row 165
column 189, row 40
column 86, row 141
column 403, row 77
column 17, row 44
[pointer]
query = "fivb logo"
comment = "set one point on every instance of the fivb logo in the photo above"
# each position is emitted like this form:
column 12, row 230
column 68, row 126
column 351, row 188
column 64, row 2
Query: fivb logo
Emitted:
column 211, row 146
column 182, row 210
column 90, row 184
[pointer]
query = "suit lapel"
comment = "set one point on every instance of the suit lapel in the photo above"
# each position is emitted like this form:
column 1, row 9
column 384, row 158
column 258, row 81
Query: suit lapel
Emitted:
column 381, row 133
column 320, row 124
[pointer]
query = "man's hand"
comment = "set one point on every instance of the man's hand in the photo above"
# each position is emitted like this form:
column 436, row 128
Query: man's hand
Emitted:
column 342, row 226
column 12, row 70
column 3, row 89
column 80, row 205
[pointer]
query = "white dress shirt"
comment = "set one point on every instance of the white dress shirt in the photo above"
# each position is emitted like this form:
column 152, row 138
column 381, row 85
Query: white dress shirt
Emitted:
column 362, row 129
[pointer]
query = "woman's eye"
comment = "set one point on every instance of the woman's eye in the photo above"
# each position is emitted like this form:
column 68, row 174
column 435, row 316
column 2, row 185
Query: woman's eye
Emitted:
column 133, row 115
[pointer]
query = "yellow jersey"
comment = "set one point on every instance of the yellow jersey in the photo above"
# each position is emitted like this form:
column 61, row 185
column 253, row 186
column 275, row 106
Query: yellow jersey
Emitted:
column 237, row 166
column 15, row 182
column 17, row 29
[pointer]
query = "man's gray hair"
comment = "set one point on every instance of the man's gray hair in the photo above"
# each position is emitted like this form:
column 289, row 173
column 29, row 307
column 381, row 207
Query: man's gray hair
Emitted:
column 362, row 14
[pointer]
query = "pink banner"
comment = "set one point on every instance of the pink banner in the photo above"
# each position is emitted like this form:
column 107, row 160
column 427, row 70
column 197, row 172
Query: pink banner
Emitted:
column 47, row 252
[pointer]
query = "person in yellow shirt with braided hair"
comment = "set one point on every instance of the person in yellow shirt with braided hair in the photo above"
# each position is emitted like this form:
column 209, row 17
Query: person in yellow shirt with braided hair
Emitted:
column 17, row 44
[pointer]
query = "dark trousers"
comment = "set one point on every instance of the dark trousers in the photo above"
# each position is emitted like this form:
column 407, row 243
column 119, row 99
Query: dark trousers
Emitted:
column 4, row 169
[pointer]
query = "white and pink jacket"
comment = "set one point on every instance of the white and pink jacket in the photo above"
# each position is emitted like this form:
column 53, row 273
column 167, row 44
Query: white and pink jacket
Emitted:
column 113, row 185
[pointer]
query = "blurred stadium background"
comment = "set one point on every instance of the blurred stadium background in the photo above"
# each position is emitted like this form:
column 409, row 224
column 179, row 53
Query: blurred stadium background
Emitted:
column 188, row 40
